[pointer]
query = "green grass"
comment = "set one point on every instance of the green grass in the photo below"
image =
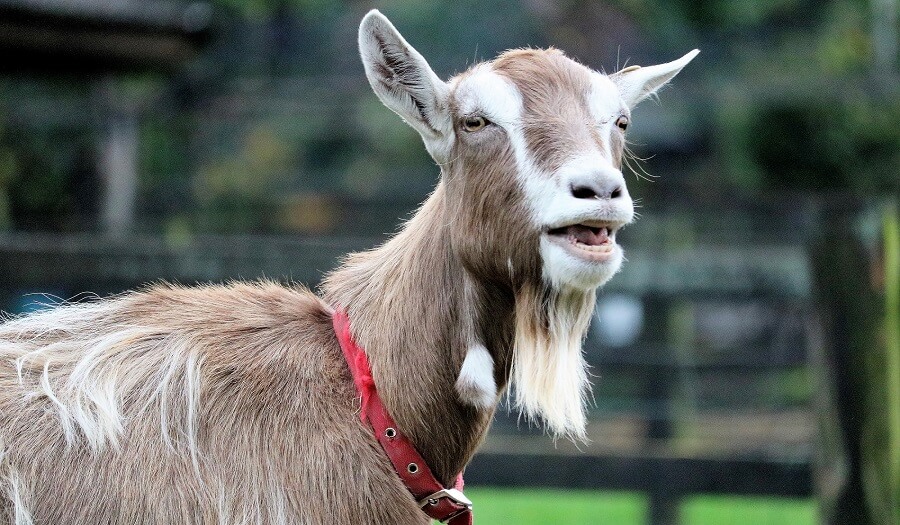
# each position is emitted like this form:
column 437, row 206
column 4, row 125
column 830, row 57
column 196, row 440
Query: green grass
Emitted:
column 576, row 507
column 732, row 510
column 560, row 507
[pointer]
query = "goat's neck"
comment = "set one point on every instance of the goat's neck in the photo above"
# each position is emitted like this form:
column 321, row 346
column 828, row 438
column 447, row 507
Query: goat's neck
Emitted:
column 414, row 309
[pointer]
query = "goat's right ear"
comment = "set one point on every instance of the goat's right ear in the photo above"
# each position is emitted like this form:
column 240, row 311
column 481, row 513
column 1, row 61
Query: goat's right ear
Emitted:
column 404, row 81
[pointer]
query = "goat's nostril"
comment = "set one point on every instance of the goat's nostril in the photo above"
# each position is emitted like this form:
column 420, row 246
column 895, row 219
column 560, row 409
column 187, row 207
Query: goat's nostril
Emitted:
column 583, row 192
column 596, row 191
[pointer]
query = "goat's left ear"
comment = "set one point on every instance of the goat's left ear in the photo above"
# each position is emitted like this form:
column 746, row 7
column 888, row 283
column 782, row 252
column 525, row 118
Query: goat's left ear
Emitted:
column 405, row 82
column 636, row 83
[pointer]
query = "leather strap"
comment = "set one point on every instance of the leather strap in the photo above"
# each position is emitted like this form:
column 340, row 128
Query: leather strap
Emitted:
column 438, row 502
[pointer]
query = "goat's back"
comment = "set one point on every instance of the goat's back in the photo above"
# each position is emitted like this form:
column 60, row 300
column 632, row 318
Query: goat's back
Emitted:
column 220, row 404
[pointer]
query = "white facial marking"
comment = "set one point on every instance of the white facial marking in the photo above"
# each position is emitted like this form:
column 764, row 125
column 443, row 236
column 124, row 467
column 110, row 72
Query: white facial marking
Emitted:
column 605, row 101
column 562, row 269
column 549, row 195
column 491, row 95
column 560, row 208
column 476, row 385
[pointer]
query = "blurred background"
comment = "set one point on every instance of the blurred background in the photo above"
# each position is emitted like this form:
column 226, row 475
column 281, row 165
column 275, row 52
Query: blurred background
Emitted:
column 747, row 358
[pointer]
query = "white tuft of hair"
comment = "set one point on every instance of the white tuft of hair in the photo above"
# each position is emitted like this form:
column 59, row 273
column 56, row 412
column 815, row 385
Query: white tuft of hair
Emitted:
column 476, row 385
column 11, row 484
column 549, row 373
column 21, row 516
column 82, row 364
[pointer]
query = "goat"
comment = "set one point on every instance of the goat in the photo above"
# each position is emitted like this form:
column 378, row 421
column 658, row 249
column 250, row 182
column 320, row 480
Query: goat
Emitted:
column 233, row 404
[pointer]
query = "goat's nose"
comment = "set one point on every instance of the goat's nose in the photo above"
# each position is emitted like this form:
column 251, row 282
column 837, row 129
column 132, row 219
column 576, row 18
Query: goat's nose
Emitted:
column 596, row 188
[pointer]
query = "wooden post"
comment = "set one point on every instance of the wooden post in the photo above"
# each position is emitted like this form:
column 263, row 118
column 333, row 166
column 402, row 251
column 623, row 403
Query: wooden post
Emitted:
column 117, row 162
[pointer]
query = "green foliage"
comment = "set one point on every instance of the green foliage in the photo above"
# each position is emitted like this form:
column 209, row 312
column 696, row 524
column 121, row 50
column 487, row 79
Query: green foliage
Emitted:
column 718, row 14
column 235, row 191
column 881, row 428
column 8, row 169
column 45, row 182
column 261, row 9
column 892, row 343
column 851, row 143
column 783, row 97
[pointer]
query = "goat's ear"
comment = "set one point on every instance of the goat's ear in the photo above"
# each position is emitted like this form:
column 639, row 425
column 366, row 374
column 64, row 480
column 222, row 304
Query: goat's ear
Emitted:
column 404, row 81
column 637, row 83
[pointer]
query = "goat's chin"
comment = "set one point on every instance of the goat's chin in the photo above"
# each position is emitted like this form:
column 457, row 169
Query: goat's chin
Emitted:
column 549, row 372
column 562, row 270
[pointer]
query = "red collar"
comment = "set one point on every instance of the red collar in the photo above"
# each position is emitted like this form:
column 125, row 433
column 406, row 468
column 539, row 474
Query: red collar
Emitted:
column 438, row 502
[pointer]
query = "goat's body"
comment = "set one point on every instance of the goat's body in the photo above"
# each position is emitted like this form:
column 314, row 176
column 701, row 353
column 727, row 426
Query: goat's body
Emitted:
column 162, row 407
column 233, row 404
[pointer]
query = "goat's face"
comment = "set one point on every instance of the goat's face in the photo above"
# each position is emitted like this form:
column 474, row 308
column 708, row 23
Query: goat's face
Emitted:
column 531, row 148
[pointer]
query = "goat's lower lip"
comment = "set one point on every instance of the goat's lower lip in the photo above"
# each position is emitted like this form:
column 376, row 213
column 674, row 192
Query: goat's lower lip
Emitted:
column 589, row 242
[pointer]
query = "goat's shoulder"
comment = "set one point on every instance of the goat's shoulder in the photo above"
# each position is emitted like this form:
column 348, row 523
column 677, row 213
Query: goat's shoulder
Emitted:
column 242, row 325
column 195, row 311
column 241, row 344
column 240, row 305
column 250, row 325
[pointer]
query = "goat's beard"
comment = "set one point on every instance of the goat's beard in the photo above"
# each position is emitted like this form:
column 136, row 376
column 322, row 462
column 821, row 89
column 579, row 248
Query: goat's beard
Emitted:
column 549, row 373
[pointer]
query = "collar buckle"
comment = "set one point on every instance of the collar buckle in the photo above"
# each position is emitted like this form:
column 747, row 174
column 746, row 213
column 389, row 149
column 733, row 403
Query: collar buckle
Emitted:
column 453, row 495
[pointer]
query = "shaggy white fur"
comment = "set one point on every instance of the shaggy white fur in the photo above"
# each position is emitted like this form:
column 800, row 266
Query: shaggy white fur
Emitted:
column 548, row 370
column 86, row 364
column 476, row 385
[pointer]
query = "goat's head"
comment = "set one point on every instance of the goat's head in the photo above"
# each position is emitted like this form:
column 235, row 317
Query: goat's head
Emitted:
column 531, row 147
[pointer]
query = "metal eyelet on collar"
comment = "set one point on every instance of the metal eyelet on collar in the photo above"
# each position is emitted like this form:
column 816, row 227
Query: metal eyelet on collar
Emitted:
column 412, row 468
column 390, row 432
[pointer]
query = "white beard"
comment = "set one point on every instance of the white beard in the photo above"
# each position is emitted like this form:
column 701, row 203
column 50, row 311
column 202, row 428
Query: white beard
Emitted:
column 549, row 372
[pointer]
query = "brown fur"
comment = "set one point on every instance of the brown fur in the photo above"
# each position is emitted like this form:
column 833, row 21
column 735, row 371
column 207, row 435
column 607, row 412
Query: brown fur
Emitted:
column 273, row 435
column 279, row 437
column 408, row 311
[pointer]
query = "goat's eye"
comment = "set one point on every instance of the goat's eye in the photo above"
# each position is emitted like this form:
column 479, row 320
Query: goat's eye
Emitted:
column 474, row 123
column 622, row 122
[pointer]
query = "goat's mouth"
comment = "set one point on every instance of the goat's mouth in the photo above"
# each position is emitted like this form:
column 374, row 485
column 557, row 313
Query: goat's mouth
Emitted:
column 594, row 241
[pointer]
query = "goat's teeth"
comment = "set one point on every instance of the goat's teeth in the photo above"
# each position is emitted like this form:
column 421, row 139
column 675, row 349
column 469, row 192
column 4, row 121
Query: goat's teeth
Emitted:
column 605, row 247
